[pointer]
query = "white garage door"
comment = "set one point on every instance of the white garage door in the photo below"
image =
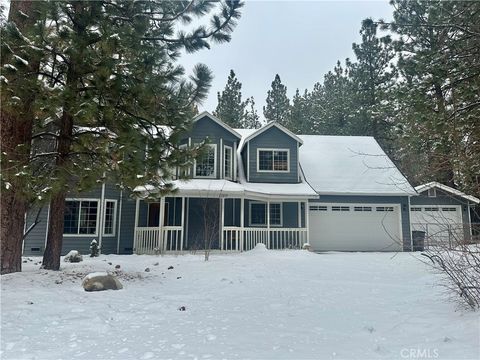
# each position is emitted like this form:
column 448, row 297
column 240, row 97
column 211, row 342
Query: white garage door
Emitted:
column 355, row 227
column 440, row 223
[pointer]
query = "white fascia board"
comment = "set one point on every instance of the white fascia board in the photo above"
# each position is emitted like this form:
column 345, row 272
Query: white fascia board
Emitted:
column 434, row 184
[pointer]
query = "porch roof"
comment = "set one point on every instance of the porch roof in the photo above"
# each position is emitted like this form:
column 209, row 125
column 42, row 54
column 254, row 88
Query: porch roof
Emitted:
column 225, row 188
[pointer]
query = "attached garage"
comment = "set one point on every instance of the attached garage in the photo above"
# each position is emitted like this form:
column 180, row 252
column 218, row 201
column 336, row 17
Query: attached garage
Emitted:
column 441, row 224
column 355, row 227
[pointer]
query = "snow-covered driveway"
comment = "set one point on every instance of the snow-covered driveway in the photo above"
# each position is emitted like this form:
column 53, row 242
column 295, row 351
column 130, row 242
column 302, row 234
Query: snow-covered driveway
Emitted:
column 258, row 305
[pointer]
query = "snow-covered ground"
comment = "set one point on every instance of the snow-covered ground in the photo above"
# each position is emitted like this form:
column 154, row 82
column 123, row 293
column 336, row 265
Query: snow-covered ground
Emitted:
column 257, row 305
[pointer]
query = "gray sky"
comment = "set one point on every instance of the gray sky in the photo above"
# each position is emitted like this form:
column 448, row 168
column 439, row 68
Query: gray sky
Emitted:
column 299, row 40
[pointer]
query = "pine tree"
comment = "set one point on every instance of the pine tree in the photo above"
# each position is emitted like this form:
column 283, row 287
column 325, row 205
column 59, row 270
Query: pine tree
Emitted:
column 250, row 117
column 373, row 76
column 439, row 99
column 230, row 108
column 109, row 86
column 278, row 104
column 301, row 113
column 19, row 60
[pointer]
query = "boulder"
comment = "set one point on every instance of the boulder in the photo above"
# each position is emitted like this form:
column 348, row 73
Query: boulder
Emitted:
column 73, row 256
column 99, row 281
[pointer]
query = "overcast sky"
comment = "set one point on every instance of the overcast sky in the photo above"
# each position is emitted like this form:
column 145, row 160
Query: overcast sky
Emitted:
column 299, row 40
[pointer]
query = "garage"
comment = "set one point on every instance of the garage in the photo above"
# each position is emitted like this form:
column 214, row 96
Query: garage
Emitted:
column 355, row 227
column 441, row 224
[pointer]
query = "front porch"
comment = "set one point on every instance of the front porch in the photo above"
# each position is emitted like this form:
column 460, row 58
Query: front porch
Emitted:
column 228, row 224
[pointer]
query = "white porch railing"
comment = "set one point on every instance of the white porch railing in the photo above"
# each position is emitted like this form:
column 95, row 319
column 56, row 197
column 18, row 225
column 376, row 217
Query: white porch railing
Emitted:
column 273, row 238
column 148, row 241
column 233, row 238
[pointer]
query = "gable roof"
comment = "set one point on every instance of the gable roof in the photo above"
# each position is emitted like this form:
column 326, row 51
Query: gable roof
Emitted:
column 218, row 121
column 264, row 128
column 434, row 184
column 350, row 165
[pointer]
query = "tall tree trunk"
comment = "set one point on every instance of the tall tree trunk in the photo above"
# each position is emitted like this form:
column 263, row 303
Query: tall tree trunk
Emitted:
column 51, row 256
column 15, row 136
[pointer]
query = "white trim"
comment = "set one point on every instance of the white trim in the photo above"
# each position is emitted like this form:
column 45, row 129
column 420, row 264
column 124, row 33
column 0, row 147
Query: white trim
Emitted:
column 221, row 174
column 234, row 155
column 215, row 162
column 268, row 126
column 218, row 121
column 137, row 214
column 446, row 188
column 102, row 212
column 114, row 217
column 119, row 221
column 273, row 160
column 226, row 147
column 46, row 227
column 410, row 223
column 248, row 162
column 182, row 222
column 98, row 201
column 298, row 162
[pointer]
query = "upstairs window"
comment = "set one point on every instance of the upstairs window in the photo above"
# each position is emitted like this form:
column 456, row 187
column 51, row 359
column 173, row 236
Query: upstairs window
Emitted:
column 80, row 217
column 273, row 160
column 228, row 162
column 206, row 166
column 432, row 192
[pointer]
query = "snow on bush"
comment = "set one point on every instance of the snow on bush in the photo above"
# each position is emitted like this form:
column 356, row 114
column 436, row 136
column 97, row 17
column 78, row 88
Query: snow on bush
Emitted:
column 73, row 256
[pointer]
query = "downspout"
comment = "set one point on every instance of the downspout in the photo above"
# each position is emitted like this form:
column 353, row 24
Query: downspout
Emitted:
column 100, row 223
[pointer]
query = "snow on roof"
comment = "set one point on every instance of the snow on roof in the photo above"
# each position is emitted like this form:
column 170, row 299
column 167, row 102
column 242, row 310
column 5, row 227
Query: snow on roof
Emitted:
column 218, row 121
column 434, row 184
column 210, row 187
column 255, row 132
column 354, row 165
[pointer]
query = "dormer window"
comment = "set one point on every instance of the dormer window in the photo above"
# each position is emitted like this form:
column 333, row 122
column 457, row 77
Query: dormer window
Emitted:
column 273, row 160
column 206, row 166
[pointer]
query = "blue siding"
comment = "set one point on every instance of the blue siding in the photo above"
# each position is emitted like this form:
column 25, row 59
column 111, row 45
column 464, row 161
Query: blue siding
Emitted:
column 206, row 128
column 401, row 200
column 35, row 241
column 276, row 139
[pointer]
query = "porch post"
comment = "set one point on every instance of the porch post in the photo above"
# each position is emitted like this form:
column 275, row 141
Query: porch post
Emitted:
column 242, row 219
column 161, row 241
column 268, row 223
column 182, row 223
column 222, row 219
column 307, row 222
column 137, row 210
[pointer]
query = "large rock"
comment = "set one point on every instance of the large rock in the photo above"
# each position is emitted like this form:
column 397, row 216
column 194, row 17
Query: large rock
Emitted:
column 99, row 281
column 73, row 256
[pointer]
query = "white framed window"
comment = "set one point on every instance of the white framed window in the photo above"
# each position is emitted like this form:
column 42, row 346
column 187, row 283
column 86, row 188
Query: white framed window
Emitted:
column 228, row 162
column 273, row 160
column 276, row 214
column 110, row 217
column 258, row 214
column 206, row 166
column 81, row 217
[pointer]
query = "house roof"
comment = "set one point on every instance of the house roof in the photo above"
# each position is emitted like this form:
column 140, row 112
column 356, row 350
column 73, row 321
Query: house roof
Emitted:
column 350, row 165
column 216, row 120
column 252, row 133
column 434, row 184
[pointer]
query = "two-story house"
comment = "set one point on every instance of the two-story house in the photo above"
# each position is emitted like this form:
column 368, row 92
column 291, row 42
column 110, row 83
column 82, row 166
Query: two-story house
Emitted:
column 252, row 186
